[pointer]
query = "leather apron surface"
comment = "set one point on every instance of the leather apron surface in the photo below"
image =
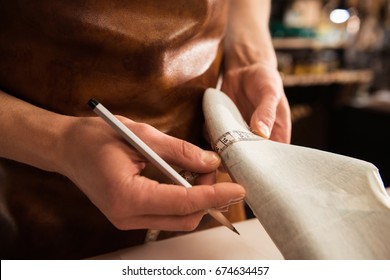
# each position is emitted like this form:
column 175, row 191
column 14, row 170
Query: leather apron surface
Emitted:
column 147, row 60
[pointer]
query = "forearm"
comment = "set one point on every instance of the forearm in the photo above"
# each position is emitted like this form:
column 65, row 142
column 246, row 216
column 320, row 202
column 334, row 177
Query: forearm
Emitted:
column 30, row 134
column 251, row 77
column 248, row 39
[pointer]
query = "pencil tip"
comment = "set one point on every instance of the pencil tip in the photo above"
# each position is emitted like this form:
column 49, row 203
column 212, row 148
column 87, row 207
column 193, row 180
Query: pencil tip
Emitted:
column 234, row 229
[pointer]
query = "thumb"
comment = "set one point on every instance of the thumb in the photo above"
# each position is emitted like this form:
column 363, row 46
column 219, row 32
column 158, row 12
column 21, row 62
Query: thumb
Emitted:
column 188, row 156
column 176, row 151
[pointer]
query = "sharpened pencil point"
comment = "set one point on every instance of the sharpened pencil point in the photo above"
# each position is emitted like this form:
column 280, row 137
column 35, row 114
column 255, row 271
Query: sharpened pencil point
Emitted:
column 236, row 231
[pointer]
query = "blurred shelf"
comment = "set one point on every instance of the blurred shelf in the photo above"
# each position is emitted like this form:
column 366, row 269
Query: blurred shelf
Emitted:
column 302, row 43
column 336, row 77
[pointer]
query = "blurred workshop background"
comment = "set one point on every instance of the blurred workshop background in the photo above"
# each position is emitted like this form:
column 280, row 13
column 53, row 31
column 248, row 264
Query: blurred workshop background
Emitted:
column 334, row 57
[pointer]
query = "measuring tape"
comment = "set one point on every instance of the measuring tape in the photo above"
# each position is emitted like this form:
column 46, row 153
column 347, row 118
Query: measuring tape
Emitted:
column 232, row 137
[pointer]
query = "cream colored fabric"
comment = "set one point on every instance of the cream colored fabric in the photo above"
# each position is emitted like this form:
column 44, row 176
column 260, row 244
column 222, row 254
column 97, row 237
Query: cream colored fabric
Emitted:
column 313, row 204
column 216, row 243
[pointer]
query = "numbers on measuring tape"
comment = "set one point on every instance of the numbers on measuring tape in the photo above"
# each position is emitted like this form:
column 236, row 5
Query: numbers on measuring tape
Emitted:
column 232, row 137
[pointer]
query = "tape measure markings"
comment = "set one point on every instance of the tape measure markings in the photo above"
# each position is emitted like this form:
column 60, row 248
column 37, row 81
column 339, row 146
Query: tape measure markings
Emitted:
column 231, row 137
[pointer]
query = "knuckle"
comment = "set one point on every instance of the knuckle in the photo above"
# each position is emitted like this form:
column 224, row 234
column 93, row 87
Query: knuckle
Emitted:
column 185, row 208
column 180, row 149
column 139, row 128
column 186, row 204
column 211, row 193
column 191, row 204
column 186, row 149
column 143, row 129
column 269, row 115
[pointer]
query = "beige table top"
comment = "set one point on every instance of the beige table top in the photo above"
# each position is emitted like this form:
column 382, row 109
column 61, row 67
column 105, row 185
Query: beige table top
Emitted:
column 213, row 244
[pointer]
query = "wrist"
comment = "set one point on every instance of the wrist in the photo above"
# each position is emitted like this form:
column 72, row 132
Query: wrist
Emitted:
column 248, row 40
column 248, row 49
column 59, row 142
column 30, row 134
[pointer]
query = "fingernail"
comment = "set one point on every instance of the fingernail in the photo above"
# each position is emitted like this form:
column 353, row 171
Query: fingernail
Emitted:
column 210, row 158
column 263, row 129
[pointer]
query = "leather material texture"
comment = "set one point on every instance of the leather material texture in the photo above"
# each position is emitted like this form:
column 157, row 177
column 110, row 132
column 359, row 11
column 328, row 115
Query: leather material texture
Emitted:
column 150, row 62
column 147, row 60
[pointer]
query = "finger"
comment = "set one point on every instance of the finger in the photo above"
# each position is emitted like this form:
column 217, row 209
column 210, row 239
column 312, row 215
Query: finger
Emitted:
column 281, row 131
column 205, row 179
column 161, row 199
column 188, row 156
column 198, row 178
column 161, row 222
column 176, row 151
column 263, row 118
column 171, row 222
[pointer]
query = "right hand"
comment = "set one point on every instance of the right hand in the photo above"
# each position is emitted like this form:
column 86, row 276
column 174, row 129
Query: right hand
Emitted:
column 107, row 169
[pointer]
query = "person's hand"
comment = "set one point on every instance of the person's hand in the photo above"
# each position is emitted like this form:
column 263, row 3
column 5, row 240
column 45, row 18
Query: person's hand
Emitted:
column 258, row 92
column 251, row 77
column 107, row 170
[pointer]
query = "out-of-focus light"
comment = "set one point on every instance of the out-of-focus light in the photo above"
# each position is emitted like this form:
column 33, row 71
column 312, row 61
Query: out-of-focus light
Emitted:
column 339, row 16
column 353, row 25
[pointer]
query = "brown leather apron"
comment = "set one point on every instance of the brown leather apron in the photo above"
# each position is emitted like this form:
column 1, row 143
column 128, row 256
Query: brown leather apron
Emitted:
column 148, row 60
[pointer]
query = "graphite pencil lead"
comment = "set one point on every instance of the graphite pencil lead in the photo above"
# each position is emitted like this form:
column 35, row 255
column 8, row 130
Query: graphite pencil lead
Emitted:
column 236, row 231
